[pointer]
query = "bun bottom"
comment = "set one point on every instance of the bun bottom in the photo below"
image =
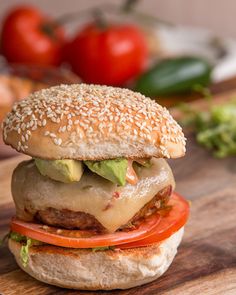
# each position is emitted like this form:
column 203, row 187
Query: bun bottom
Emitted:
column 101, row 270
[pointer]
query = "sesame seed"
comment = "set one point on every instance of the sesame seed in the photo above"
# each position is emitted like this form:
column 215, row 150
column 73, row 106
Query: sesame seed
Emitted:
column 55, row 141
column 54, row 120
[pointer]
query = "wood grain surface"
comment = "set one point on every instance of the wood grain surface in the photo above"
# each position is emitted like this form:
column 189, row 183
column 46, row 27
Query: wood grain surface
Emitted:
column 206, row 260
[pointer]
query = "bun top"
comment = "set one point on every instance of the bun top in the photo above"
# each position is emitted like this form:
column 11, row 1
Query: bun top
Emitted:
column 92, row 122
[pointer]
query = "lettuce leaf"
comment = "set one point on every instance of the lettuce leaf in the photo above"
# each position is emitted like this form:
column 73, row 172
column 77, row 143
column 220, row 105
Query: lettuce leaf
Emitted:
column 27, row 243
column 24, row 252
column 17, row 237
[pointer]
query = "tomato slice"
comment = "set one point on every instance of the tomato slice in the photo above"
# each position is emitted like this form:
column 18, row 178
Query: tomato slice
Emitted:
column 152, row 230
column 82, row 238
column 168, row 225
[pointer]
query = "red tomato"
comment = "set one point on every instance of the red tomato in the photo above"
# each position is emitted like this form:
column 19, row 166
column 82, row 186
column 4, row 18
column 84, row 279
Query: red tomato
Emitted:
column 152, row 230
column 83, row 238
column 175, row 219
column 29, row 37
column 109, row 56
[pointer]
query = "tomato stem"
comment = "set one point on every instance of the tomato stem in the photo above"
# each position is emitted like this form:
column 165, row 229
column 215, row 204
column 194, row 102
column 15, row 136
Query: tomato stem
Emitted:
column 49, row 29
column 111, row 8
column 128, row 5
column 66, row 18
column 99, row 19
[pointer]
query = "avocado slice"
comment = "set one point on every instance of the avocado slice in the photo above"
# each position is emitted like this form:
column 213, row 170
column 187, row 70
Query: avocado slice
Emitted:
column 113, row 170
column 61, row 170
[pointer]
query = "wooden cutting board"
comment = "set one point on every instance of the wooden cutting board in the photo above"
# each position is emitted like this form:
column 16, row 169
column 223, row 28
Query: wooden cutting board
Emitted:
column 206, row 261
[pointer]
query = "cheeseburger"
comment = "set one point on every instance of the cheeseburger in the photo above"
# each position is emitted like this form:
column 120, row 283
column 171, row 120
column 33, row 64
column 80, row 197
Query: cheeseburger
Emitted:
column 95, row 205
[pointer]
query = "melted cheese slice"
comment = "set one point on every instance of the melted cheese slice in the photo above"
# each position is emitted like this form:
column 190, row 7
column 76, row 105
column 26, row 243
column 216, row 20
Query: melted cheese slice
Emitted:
column 112, row 205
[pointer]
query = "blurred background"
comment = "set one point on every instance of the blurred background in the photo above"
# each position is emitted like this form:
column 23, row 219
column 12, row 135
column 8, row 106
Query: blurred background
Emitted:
column 175, row 52
column 216, row 15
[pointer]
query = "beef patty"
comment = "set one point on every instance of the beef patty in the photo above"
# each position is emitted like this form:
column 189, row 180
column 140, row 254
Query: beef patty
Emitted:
column 79, row 220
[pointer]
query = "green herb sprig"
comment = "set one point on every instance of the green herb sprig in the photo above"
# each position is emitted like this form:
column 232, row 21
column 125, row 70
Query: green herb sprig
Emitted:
column 215, row 128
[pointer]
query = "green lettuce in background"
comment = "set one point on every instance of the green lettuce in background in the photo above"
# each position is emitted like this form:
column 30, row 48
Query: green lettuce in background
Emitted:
column 215, row 128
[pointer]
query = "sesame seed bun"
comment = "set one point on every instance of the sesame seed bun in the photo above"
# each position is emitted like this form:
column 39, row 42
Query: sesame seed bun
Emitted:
column 92, row 122
column 101, row 270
